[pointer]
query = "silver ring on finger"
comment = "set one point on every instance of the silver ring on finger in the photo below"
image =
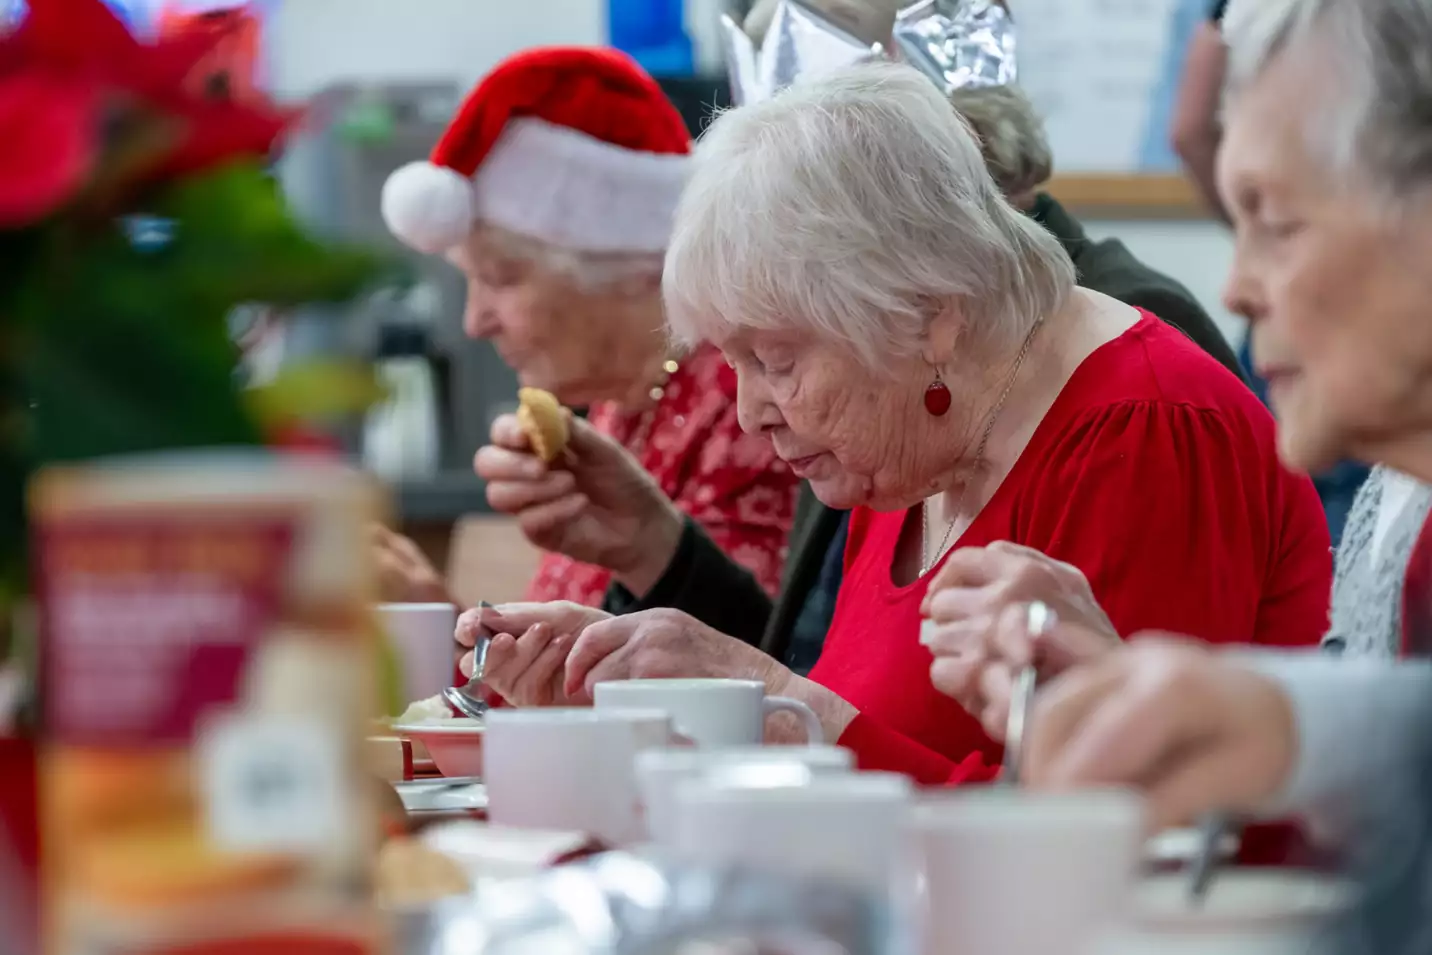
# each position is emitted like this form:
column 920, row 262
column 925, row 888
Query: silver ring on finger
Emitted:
column 1038, row 619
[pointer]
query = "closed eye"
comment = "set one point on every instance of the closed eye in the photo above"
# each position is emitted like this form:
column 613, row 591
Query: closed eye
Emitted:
column 775, row 361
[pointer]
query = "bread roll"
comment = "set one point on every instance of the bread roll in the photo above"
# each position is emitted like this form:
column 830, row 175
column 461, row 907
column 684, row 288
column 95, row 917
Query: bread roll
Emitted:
column 544, row 421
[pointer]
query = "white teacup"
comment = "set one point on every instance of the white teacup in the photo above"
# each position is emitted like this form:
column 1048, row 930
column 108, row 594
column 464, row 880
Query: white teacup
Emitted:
column 660, row 771
column 710, row 712
column 1023, row 873
column 848, row 827
column 422, row 639
column 570, row 769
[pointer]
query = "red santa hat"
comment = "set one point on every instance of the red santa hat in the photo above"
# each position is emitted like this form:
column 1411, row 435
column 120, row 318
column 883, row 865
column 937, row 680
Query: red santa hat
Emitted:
column 577, row 147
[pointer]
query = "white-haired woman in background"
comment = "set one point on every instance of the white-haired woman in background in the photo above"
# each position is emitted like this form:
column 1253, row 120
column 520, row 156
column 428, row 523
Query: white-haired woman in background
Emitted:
column 918, row 350
column 552, row 190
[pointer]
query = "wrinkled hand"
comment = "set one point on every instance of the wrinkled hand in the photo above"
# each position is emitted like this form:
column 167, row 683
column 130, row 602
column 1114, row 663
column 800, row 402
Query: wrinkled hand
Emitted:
column 528, row 649
column 978, row 608
column 1192, row 728
column 405, row 575
column 596, row 504
column 655, row 644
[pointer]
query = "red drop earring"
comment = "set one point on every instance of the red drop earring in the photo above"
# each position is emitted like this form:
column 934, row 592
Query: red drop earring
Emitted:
column 937, row 397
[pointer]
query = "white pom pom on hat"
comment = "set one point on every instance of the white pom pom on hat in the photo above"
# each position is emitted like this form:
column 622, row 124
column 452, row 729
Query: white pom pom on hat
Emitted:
column 430, row 207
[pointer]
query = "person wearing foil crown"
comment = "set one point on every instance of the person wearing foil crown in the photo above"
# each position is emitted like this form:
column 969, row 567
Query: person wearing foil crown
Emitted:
column 1325, row 170
column 920, row 352
column 553, row 191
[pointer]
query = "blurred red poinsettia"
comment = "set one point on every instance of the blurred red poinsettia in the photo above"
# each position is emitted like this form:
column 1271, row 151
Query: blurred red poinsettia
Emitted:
column 71, row 73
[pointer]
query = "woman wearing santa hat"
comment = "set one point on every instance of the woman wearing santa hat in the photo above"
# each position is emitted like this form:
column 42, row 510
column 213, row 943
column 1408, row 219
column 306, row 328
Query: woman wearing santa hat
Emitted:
column 553, row 190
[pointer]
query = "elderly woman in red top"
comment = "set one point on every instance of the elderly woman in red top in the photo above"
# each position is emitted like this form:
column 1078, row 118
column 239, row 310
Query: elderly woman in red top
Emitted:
column 553, row 191
column 921, row 353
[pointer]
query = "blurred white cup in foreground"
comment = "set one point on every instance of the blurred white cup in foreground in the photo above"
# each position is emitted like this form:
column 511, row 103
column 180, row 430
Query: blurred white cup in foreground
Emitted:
column 421, row 635
column 1023, row 873
column 710, row 712
column 660, row 771
column 569, row 769
column 782, row 817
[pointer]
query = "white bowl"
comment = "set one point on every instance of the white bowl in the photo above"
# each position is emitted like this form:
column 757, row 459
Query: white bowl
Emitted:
column 1246, row 912
column 1180, row 847
column 455, row 745
column 1244, row 898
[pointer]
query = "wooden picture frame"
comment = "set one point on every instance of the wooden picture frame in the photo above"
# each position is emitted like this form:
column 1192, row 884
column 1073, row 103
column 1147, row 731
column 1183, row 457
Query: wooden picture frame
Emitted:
column 1128, row 196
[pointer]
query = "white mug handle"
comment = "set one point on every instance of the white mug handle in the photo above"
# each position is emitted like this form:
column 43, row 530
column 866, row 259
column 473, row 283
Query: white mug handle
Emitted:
column 815, row 736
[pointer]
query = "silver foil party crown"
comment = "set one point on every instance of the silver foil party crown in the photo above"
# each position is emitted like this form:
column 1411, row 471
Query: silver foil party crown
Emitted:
column 801, row 43
column 960, row 44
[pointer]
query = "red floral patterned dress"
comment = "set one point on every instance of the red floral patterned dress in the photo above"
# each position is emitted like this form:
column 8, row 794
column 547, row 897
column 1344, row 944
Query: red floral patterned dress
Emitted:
column 730, row 482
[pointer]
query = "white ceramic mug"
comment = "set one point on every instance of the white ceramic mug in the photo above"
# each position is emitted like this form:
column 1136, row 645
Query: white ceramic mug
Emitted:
column 710, row 712
column 660, row 771
column 570, row 769
column 422, row 639
column 1022, row 873
column 848, row 827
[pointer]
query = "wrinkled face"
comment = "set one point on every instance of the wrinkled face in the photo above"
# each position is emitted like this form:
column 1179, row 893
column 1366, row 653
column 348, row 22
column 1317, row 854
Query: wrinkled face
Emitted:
column 857, row 437
column 543, row 325
column 1339, row 292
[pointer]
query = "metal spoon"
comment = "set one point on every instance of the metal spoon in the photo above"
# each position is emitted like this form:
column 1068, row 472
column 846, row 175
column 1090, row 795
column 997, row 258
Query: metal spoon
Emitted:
column 1021, row 698
column 468, row 699
column 1212, row 832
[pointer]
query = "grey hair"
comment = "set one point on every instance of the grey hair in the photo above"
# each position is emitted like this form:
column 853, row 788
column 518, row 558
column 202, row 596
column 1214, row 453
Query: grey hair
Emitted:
column 1384, row 63
column 1011, row 134
column 857, row 205
column 588, row 271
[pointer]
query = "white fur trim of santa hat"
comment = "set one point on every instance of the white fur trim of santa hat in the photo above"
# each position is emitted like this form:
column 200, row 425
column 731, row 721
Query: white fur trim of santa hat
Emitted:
column 547, row 182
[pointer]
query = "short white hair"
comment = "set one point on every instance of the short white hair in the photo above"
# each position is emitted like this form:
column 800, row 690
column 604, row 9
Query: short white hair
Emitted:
column 857, row 205
column 1381, row 62
column 587, row 271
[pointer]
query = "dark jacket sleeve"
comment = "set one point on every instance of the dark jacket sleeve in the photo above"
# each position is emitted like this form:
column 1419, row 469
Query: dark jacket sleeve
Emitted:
column 705, row 583
column 1183, row 312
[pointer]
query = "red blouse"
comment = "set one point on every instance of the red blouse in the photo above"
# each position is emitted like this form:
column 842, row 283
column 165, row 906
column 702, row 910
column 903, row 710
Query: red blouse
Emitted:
column 730, row 482
column 1155, row 472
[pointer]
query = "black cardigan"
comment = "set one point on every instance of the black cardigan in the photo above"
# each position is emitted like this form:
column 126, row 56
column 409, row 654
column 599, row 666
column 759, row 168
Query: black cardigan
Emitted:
column 703, row 582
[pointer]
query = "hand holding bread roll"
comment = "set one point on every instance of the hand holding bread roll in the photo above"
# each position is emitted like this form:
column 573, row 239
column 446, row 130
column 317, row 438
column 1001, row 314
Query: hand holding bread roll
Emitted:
column 577, row 492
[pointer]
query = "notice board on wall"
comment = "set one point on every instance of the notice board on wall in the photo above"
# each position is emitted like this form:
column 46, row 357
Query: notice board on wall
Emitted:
column 1104, row 74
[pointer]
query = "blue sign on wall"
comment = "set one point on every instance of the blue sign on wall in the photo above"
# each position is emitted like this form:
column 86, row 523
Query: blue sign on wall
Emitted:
column 652, row 32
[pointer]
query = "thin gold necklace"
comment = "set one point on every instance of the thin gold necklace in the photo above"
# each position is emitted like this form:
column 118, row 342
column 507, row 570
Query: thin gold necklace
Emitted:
column 928, row 561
